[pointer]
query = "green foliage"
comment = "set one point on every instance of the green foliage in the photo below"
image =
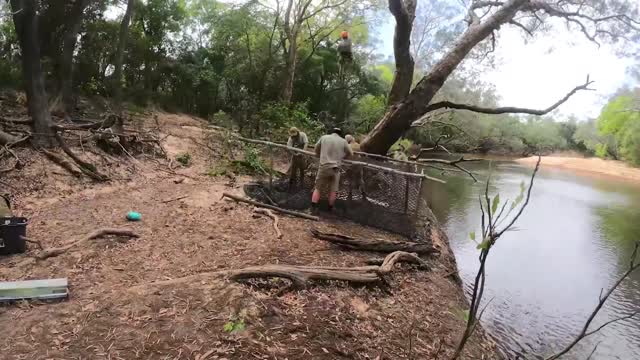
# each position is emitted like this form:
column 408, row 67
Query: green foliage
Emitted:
column 234, row 326
column 495, row 203
column 369, row 109
column 184, row 159
column 276, row 118
column 620, row 120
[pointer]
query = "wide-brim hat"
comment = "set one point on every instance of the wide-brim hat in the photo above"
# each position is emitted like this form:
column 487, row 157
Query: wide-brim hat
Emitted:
column 293, row 131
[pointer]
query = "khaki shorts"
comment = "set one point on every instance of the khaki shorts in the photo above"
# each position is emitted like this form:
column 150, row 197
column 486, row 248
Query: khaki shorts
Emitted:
column 328, row 178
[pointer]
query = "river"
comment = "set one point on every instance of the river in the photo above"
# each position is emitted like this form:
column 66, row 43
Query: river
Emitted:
column 574, row 239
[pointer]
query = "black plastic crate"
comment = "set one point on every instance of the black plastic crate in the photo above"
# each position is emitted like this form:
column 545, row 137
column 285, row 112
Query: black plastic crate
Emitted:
column 12, row 233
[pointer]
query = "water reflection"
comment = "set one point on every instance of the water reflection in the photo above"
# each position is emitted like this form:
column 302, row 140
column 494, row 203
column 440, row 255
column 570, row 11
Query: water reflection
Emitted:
column 574, row 239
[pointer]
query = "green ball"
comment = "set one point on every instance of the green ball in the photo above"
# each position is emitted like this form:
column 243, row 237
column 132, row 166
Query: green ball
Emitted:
column 134, row 216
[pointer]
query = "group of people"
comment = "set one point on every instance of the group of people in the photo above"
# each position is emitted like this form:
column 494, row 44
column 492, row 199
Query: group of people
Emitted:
column 331, row 149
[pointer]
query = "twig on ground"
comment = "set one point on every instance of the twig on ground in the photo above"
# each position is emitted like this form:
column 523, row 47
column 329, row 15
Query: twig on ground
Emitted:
column 33, row 242
column 273, row 216
column 52, row 252
column 281, row 210
column 175, row 199
column 87, row 168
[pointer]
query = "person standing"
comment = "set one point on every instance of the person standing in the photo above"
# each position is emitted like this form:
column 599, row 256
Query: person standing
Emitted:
column 331, row 149
column 355, row 173
column 298, row 140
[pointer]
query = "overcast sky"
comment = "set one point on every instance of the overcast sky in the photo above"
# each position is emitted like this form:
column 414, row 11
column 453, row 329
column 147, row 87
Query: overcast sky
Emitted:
column 538, row 73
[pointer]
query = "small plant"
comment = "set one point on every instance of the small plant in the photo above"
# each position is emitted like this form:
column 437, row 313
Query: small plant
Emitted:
column 234, row 325
column 184, row 159
column 218, row 170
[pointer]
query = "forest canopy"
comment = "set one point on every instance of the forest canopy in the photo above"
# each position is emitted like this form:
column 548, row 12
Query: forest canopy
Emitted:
column 262, row 66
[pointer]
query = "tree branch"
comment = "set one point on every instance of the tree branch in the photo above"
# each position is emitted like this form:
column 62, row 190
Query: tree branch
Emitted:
column 509, row 109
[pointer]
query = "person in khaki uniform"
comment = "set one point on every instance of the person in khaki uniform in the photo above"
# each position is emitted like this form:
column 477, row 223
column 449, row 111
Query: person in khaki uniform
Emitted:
column 331, row 149
column 355, row 172
column 298, row 140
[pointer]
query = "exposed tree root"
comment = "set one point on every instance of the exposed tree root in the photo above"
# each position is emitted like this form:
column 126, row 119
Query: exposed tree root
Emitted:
column 301, row 276
column 373, row 244
column 6, row 138
column 87, row 168
column 52, row 252
column 273, row 216
column 62, row 162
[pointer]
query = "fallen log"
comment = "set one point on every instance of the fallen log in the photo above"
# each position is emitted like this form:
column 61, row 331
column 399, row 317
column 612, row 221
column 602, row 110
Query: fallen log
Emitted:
column 273, row 217
column 376, row 245
column 271, row 207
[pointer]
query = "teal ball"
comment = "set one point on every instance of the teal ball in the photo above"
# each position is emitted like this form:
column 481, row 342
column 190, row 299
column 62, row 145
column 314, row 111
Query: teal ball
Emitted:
column 134, row 216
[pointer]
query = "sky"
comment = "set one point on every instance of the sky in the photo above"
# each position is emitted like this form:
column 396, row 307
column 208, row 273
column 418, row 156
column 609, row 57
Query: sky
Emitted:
column 537, row 73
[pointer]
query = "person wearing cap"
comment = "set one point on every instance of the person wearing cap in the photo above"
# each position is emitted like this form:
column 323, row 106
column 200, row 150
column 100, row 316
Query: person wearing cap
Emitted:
column 331, row 149
column 298, row 140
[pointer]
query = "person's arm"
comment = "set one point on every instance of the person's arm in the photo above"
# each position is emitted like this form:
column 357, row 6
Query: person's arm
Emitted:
column 305, row 141
column 348, row 150
column 290, row 142
column 317, row 148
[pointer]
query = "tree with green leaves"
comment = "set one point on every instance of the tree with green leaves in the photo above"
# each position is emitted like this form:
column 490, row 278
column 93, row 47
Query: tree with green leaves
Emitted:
column 603, row 20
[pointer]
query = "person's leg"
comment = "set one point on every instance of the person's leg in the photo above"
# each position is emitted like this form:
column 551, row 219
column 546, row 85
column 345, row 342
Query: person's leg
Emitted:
column 320, row 180
column 335, row 184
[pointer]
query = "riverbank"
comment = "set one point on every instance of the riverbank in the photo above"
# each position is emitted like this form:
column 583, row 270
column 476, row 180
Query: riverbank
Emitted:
column 592, row 165
column 153, row 297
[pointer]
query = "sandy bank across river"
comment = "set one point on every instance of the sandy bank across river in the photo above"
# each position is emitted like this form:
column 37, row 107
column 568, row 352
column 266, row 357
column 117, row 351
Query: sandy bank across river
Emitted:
column 594, row 165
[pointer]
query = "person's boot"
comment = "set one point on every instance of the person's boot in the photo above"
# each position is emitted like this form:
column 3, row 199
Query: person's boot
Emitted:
column 314, row 209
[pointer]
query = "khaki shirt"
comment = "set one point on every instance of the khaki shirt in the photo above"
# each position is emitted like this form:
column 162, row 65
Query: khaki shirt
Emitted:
column 332, row 149
column 299, row 141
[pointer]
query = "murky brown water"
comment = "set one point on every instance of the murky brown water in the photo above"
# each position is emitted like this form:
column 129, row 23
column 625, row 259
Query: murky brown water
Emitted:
column 574, row 239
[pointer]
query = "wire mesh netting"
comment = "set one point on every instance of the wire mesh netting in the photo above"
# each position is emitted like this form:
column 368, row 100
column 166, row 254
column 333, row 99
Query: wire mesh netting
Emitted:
column 368, row 196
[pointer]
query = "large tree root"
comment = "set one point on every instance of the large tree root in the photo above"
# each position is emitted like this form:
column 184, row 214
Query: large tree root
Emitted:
column 376, row 245
column 62, row 162
column 301, row 276
column 52, row 252
column 87, row 168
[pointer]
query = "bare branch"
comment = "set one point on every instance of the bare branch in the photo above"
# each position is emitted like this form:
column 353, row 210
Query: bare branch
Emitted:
column 453, row 163
column 509, row 109
column 513, row 22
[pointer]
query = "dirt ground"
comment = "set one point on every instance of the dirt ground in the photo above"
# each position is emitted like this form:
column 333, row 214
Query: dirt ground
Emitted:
column 592, row 165
column 157, row 296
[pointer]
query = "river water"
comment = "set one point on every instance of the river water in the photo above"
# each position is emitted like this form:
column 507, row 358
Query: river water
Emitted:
column 574, row 239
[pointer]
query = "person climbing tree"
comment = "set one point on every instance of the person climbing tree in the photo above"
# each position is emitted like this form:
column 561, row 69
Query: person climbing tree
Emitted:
column 344, row 48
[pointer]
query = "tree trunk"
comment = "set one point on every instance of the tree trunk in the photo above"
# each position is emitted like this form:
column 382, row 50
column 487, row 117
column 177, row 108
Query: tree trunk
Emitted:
column 26, row 23
column 122, row 42
column 400, row 116
column 404, row 13
column 292, row 58
column 66, row 61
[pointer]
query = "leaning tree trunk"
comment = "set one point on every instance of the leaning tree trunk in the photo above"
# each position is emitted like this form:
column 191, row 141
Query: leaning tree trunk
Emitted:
column 400, row 116
column 26, row 23
column 122, row 42
column 404, row 13
column 66, row 61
